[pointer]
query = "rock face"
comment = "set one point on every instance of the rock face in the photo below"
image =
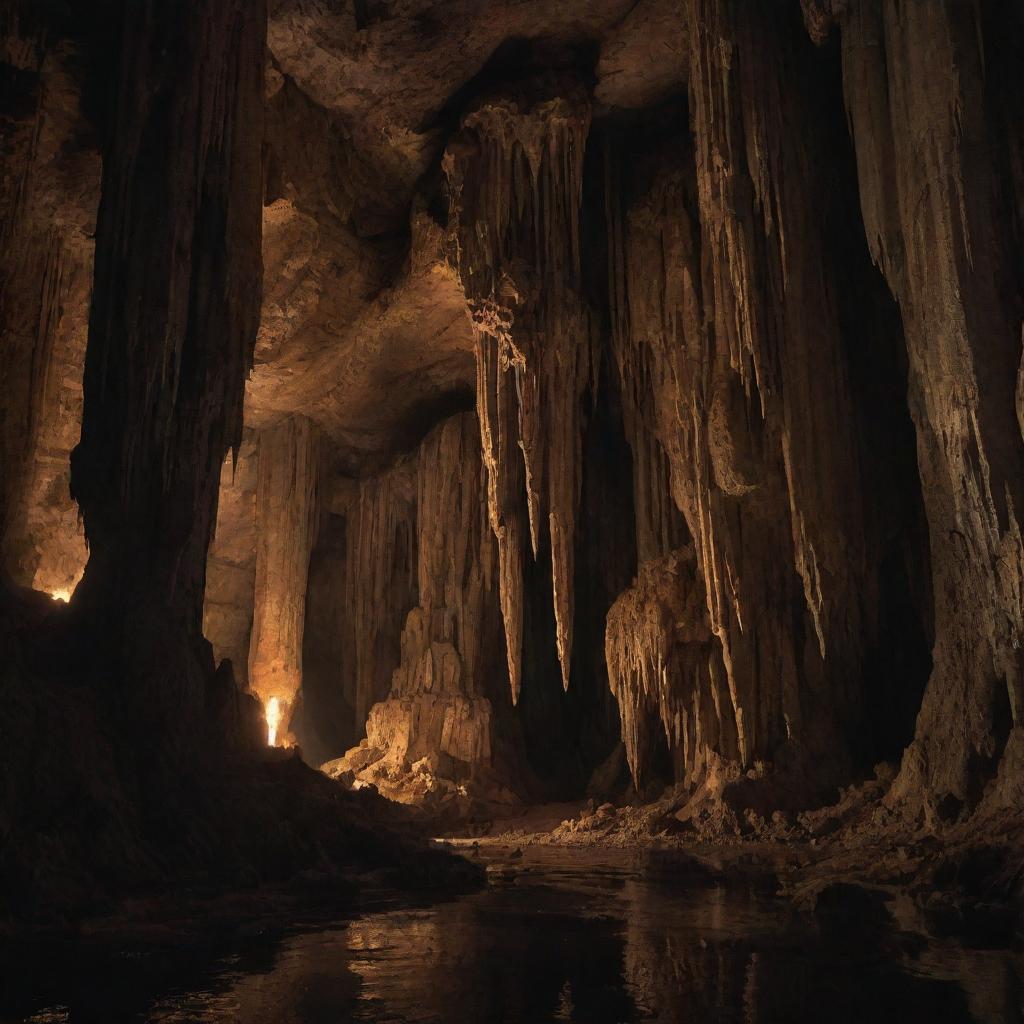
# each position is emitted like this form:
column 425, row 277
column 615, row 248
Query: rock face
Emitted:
column 48, row 198
column 673, row 346
column 940, row 174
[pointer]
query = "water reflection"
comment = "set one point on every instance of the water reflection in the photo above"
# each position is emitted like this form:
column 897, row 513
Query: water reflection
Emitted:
column 592, row 939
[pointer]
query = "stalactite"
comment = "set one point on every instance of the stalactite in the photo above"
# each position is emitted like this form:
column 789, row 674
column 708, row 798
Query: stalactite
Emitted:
column 286, row 520
column 499, row 434
column 516, row 179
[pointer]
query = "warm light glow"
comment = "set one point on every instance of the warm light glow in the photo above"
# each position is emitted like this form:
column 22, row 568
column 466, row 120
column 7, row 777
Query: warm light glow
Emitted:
column 273, row 715
column 61, row 595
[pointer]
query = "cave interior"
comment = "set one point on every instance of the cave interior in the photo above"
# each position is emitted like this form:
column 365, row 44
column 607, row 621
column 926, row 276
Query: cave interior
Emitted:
column 595, row 424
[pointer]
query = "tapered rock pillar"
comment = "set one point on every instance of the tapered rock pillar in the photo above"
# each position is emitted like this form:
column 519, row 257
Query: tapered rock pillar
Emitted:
column 286, row 518
column 175, row 309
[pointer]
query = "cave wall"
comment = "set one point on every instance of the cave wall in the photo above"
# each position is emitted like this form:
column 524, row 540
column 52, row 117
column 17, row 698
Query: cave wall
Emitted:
column 928, row 92
column 48, row 195
column 762, row 330
column 113, row 712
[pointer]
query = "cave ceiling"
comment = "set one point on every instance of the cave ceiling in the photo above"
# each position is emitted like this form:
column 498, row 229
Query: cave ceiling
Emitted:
column 365, row 327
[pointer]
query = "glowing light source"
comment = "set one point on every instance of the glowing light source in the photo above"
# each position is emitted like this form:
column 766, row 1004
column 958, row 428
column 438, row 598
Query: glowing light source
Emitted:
column 273, row 716
column 61, row 595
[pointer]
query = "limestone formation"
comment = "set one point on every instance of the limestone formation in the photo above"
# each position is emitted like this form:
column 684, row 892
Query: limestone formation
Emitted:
column 286, row 521
column 665, row 669
column 939, row 145
column 230, row 596
column 516, row 180
column 435, row 705
column 48, row 197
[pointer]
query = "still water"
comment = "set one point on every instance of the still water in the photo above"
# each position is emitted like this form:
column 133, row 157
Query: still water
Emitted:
column 566, row 936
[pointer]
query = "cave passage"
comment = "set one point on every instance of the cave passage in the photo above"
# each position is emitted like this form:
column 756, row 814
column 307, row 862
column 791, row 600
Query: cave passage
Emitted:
column 431, row 432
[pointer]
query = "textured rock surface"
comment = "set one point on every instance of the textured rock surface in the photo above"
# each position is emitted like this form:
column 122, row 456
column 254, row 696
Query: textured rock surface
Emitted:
column 48, row 194
column 516, row 179
column 663, row 667
column 231, row 566
column 939, row 164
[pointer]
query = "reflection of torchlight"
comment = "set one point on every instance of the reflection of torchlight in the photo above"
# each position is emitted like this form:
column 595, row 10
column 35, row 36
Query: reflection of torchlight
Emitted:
column 273, row 714
column 61, row 595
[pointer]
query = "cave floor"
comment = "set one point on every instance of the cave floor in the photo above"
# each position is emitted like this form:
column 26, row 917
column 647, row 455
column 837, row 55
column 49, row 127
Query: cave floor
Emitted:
column 593, row 935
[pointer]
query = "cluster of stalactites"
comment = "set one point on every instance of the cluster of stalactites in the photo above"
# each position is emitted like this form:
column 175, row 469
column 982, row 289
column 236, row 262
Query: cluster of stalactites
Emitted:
column 516, row 185
column 721, row 248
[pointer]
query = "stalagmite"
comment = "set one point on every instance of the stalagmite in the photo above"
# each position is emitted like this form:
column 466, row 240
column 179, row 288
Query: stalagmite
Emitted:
column 435, row 708
column 286, row 520
column 516, row 179
column 435, row 702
